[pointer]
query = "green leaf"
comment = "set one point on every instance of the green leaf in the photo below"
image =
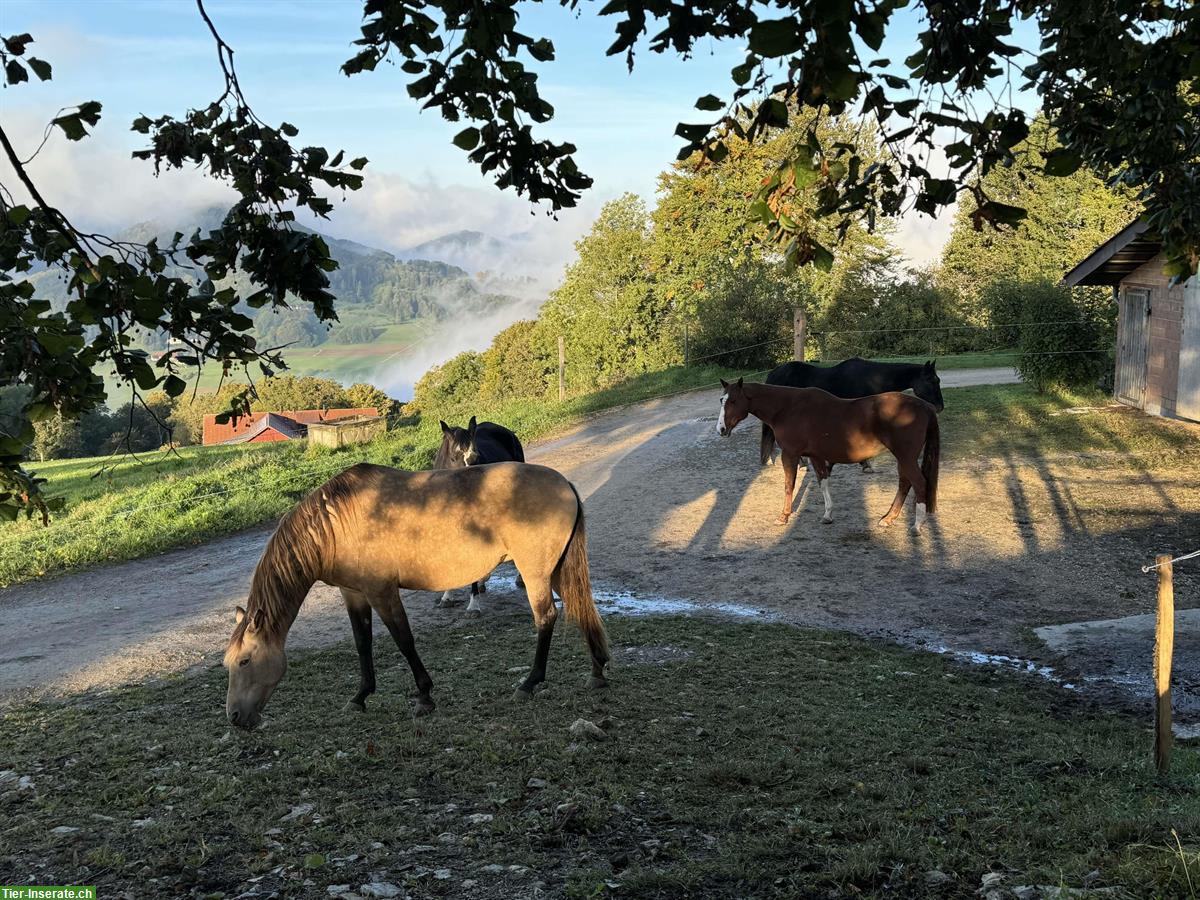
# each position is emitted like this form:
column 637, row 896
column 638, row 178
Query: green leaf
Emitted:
column 40, row 67
column 40, row 412
column 14, row 72
column 822, row 258
column 174, row 385
column 358, row 163
column 710, row 103
column 467, row 139
column 776, row 37
column 72, row 126
column 314, row 860
column 1063, row 161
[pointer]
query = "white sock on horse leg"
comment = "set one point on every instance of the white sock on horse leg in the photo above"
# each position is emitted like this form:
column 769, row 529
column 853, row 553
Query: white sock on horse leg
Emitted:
column 474, row 606
column 445, row 598
column 920, row 519
column 828, row 517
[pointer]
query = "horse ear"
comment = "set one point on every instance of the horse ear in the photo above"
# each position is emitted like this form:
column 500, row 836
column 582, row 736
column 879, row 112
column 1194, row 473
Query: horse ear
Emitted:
column 739, row 384
column 255, row 623
column 445, row 427
column 724, row 384
column 239, row 615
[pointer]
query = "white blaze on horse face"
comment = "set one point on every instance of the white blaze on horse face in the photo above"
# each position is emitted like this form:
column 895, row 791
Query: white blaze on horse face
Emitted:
column 920, row 519
column 721, row 415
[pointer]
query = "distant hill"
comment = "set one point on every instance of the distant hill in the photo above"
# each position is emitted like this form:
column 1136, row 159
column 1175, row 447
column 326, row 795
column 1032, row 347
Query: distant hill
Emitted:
column 374, row 288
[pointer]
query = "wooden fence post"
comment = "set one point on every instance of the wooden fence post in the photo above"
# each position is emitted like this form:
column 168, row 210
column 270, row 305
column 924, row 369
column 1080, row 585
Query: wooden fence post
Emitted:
column 1164, row 646
column 562, row 369
column 799, row 330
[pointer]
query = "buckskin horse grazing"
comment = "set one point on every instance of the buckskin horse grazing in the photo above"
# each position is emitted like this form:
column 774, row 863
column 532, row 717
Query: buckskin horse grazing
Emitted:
column 372, row 530
column 810, row 422
column 480, row 443
column 853, row 378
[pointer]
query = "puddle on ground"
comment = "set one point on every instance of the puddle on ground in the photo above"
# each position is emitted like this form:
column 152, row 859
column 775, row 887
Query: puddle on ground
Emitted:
column 1009, row 663
column 627, row 603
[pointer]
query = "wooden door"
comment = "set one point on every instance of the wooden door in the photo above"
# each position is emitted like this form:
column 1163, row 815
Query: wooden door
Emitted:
column 1131, row 351
column 1187, row 397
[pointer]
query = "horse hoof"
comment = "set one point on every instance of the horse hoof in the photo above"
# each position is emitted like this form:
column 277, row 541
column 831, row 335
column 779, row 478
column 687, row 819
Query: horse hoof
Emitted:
column 473, row 613
column 521, row 695
column 355, row 706
column 597, row 682
column 826, row 520
column 782, row 520
column 884, row 523
column 424, row 708
column 916, row 529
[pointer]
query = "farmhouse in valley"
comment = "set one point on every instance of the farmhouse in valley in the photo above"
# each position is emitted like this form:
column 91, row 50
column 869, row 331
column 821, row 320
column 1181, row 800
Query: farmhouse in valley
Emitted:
column 1158, row 329
column 285, row 425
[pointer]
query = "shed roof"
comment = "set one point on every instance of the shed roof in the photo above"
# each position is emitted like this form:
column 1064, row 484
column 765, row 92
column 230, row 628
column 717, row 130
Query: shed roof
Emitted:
column 1117, row 257
column 289, row 428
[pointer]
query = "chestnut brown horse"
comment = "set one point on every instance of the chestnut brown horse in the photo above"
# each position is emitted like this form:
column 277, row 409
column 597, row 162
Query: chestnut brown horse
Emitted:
column 809, row 422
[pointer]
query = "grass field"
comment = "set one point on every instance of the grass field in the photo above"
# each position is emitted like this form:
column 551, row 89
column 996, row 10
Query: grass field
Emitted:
column 136, row 508
column 741, row 761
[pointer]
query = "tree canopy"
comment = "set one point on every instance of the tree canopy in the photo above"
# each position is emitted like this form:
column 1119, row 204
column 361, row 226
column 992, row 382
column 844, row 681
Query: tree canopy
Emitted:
column 1118, row 80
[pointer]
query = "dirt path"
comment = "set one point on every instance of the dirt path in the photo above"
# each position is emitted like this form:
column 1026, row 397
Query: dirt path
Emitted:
column 677, row 513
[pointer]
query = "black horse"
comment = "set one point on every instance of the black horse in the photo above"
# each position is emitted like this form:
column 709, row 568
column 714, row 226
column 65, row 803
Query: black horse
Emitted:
column 852, row 379
column 478, row 444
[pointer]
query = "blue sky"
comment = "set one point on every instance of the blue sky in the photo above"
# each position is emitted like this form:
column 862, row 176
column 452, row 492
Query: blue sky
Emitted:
column 155, row 56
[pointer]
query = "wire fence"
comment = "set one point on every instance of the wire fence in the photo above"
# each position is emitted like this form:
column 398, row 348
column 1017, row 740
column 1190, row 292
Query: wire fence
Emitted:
column 308, row 477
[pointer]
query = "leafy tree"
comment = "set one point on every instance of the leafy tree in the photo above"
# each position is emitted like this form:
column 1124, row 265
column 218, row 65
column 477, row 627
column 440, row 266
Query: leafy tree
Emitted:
column 356, row 333
column 1066, row 219
column 448, row 387
column 1072, row 352
column 518, row 363
column 364, row 396
column 282, row 392
column 615, row 324
column 56, row 437
column 1118, row 81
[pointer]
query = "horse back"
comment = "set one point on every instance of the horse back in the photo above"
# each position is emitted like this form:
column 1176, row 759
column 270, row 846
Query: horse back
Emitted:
column 495, row 443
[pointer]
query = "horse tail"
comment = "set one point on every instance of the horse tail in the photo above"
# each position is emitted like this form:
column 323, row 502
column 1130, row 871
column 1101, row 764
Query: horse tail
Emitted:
column 766, row 450
column 929, row 463
column 574, row 584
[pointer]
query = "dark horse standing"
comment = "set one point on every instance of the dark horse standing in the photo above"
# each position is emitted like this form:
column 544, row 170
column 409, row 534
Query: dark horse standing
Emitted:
column 478, row 444
column 852, row 379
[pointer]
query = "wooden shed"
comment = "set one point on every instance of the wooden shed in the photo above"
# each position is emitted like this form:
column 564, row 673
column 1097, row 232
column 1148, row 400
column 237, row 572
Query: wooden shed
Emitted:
column 1158, row 326
column 225, row 432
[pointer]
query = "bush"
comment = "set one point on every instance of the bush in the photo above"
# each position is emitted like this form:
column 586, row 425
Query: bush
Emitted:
column 452, row 385
column 1063, row 336
column 282, row 327
column 517, row 365
column 743, row 318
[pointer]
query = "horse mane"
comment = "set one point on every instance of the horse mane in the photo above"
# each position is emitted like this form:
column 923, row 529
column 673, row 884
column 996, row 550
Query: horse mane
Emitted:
column 439, row 461
column 297, row 554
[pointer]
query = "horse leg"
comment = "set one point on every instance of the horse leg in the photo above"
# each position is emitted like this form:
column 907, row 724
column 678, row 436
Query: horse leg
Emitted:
column 823, row 470
column 898, row 504
column 867, row 467
column 789, row 461
column 545, row 613
column 911, row 470
column 476, row 590
column 447, row 599
column 391, row 611
column 360, row 622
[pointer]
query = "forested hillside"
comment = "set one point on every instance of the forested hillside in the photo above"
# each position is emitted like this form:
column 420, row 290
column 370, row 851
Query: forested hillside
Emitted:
column 373, row 289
